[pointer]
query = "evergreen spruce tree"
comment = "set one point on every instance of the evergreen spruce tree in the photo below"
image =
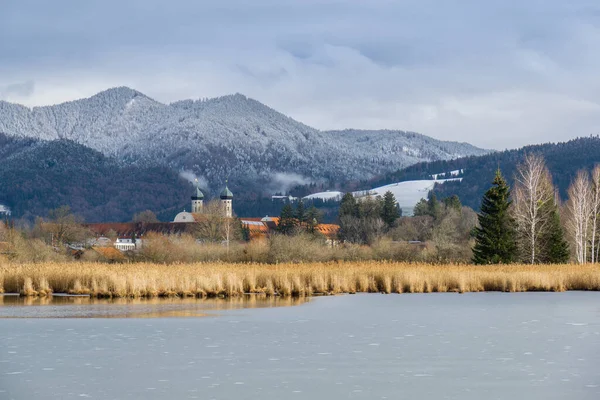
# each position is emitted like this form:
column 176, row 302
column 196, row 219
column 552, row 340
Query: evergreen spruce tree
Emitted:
column 555, row 247
column 435, row 209
column 300, row 212
column 495, row 238
column 245, row 233
column 348, row 218
column 348, row 206
column 287, row 222
column 389, row 210
column 421, row 208
column 453, row 202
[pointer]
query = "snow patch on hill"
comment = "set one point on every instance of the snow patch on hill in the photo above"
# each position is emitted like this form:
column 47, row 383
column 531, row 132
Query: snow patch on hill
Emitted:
column 407, row 193
column 456, row 172
column 4, row 210
column 328, row 195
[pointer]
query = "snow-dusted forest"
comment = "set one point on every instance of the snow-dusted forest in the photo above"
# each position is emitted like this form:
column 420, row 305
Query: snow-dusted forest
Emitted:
column 231, row 136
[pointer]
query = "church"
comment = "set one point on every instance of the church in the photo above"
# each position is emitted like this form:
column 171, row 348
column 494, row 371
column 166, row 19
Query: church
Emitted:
column 258, row 228
column 225, row 200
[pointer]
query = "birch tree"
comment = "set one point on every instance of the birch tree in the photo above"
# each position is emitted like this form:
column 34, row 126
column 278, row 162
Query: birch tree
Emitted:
column 595, row 210
column 580, row 211
column 533, row 192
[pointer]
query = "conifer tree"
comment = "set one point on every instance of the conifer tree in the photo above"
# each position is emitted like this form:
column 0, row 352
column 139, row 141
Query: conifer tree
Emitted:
column 348, row 206
column 389, row 210
column 435, row 209
column 495, row 238
column 287, row 222
column 555, row 247
column 453, row 202
column 348, row 215
column 421, row 208
column 300, row 212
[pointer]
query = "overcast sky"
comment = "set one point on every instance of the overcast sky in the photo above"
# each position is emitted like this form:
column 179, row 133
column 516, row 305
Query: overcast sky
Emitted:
column 496, row 73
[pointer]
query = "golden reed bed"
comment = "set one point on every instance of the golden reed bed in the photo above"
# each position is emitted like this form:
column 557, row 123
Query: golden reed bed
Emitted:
column 223, row 279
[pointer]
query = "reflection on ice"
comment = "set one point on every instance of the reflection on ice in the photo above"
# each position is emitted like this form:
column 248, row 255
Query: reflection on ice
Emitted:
column 86, row 307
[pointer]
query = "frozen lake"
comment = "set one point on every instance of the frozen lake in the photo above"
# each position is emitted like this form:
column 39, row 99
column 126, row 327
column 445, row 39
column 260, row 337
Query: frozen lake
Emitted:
column 417, row 346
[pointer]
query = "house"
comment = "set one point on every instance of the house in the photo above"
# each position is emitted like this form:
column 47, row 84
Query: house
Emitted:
column 109, row 254
column 184, row 222
column 330, row 231
column 127, row 244
column 260, row 228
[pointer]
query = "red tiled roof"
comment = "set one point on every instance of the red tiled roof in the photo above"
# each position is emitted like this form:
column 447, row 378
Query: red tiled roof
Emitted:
column 256, row 225
column 110, row 253
column 329, row 230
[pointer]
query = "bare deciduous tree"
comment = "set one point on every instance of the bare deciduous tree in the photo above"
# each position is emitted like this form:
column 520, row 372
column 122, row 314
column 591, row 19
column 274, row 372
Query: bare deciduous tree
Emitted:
column 533, row 191
column 61, row 227
column 579, row 209
column 213, row 226
column 595, row 210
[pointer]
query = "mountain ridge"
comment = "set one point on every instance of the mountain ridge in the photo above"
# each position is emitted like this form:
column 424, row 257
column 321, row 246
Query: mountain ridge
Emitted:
column 229, row 137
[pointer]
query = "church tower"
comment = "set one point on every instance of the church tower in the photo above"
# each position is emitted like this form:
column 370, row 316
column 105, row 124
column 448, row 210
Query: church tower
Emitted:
column 198, row 200
column 226, row 201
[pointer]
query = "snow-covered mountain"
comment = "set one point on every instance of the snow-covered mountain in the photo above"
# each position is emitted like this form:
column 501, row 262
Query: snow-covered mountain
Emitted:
column 231, row 136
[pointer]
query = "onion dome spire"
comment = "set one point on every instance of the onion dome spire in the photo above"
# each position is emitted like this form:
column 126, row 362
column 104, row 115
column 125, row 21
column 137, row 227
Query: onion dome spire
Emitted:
column 198, row 195
column 226, row 193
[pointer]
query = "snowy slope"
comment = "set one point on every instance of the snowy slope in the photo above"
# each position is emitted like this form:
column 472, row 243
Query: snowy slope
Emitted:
column 231, row 136
column 456, row 172
column 328, row 195
column 407, row 193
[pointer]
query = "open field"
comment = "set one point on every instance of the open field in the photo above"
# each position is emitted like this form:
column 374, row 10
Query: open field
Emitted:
column 222, row 279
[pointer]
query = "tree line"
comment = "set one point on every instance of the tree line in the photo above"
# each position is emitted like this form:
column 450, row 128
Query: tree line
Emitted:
column 530, row 224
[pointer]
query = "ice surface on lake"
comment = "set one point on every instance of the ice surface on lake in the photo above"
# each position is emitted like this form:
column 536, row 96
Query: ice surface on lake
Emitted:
column 421, row 346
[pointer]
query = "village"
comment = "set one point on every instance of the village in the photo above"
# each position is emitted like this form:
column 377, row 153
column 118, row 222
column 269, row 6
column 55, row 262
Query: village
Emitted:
column 210, row 223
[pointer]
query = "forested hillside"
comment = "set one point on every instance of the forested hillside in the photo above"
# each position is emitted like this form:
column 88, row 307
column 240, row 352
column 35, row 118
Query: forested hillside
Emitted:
column 36, row 176
column 230, row 137
column 563, row 160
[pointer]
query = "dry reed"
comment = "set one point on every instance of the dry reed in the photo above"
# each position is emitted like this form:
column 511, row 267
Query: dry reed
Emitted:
column 227, row 279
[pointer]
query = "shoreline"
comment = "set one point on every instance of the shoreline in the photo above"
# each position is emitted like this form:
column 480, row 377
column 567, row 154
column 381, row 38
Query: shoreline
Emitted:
column 145, row 280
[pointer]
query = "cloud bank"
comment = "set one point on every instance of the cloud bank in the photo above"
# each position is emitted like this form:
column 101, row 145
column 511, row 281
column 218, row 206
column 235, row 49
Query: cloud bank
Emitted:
column 498, row 74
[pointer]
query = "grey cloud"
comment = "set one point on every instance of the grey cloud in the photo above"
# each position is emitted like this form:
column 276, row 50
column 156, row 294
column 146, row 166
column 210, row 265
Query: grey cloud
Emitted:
column 497, row 73
column 19, row 90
